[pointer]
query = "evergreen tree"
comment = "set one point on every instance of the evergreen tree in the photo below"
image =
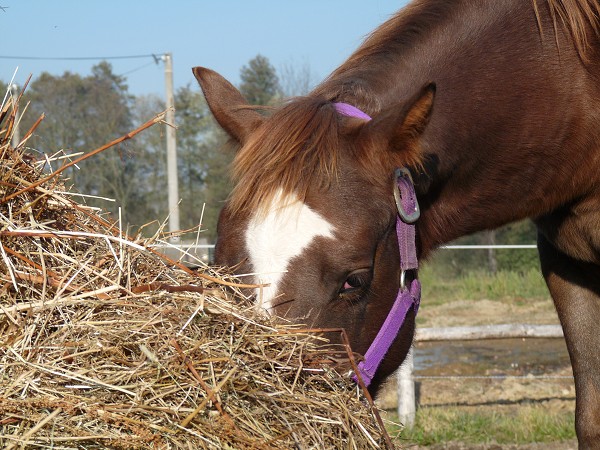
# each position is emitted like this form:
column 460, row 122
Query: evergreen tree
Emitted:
column 202, row 183
column 260, row 85
column 81, row 114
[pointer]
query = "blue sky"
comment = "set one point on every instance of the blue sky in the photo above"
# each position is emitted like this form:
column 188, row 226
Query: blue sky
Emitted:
column 221, row 34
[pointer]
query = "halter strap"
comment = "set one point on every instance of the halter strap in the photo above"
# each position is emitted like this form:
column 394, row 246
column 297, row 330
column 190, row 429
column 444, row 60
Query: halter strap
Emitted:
column 409, row 296
column 351, row 111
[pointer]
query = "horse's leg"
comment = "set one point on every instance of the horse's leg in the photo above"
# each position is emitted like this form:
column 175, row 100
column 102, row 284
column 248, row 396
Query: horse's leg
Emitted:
column 575, row 288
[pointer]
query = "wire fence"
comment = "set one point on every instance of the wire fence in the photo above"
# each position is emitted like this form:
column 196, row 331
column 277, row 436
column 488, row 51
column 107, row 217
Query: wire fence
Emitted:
column 406, row 376
column 407, row 404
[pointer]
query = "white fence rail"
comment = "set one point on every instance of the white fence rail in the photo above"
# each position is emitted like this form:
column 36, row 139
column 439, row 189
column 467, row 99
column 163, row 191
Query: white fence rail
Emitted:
column 182, row 250
column 505, row 331
column 489, row 246
column 405, row 375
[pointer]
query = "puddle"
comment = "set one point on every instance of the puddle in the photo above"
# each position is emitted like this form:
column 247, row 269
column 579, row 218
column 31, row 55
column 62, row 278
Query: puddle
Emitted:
column 491, row 357
column 480, row 373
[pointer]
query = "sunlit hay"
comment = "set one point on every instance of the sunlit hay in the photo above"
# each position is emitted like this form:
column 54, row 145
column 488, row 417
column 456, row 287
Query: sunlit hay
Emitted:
column 104, row 343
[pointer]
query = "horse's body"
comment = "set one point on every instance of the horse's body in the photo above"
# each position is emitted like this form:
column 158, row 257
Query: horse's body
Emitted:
column 509, row 129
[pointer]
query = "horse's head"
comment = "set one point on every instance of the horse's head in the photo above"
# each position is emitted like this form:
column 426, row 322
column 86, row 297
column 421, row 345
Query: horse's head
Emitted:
column 312, row 215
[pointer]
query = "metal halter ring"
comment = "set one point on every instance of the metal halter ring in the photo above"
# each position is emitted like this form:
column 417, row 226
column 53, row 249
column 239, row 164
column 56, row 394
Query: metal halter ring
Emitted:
column 402, row 175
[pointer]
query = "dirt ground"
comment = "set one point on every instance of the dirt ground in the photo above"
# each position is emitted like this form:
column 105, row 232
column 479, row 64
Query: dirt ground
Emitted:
column 506, row 394
column 487, row 312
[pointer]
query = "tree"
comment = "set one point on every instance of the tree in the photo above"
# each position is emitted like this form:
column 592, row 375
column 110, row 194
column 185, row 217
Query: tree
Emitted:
column 296, row 80
column 260, row 84
column 83, row 113
column 198, row 144
column 218, row 180
column 150, row 156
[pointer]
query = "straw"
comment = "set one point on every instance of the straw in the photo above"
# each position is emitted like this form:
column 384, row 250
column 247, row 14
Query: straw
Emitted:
column 106, row 343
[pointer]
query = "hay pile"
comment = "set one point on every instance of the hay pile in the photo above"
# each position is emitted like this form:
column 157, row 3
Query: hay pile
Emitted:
column 104, row 343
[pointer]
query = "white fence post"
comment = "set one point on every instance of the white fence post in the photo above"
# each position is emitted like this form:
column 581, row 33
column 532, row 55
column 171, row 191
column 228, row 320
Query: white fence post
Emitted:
column 407, row 404
column 406, row 391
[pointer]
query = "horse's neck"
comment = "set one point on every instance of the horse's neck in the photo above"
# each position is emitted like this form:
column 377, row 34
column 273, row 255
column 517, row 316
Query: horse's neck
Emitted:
column 415, row 46
column 499, row 114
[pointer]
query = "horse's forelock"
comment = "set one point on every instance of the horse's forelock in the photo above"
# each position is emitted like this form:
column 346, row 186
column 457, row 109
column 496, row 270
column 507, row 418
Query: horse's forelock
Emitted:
column 294, row 149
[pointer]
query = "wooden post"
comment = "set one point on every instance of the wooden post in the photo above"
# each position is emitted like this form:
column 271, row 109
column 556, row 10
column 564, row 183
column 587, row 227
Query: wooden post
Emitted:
column 16, row 137
column 490, row 239
column 406, row 391
column 172, row 177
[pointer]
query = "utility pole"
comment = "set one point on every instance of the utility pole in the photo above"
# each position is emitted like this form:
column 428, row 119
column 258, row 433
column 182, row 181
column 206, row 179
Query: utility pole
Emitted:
column 16, row 136
column 172, row 180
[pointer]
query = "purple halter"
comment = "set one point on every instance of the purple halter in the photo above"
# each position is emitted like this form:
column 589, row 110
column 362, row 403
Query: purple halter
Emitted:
column 409, row 295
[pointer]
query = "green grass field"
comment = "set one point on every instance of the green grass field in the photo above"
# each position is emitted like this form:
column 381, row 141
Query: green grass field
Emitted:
column 516, row 424
column 438, row 287
column 523, row 425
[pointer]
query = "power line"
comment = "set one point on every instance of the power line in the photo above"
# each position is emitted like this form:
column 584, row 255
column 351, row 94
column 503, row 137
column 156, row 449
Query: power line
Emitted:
column 80, row 58
column 156, row 59
column 143, row 66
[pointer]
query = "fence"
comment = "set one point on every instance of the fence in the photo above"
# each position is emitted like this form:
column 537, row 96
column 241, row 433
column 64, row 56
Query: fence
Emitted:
column 405, row 375
column 191, row 254
column 202, row 251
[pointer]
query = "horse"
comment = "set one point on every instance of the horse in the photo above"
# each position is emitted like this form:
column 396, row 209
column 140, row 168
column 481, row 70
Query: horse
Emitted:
column 492, row 106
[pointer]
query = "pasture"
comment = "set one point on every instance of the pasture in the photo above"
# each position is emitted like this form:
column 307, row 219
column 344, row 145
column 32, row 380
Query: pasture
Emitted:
column 496, row 394
column 443, row 123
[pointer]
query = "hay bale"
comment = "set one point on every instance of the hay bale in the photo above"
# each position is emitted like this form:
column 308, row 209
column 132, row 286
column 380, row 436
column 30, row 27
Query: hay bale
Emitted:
column 104, row 343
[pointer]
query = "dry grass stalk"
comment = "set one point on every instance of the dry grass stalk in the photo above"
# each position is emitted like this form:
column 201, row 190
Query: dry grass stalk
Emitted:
column 104, row 343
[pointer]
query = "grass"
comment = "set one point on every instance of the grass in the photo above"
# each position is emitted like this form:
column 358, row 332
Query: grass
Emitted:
column 439, row 288
column 499, row 424
column 523, row 425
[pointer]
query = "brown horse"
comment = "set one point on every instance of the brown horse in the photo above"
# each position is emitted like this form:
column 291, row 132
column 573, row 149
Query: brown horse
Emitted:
column 493, row 105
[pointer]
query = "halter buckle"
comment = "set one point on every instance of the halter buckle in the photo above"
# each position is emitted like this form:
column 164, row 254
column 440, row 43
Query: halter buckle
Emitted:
column 403, row 178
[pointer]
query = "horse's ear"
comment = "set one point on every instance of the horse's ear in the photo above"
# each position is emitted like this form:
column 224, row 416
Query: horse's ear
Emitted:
column 399, row 127
column 230, row 108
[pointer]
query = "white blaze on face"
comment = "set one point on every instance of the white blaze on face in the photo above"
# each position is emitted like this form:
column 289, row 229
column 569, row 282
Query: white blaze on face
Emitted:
column 274, row 239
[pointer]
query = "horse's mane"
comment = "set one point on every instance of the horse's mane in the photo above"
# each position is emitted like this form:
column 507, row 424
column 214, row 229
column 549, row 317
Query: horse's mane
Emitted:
column 294, row 149
column 579, row 16
column 298, row 146
column 404, row 30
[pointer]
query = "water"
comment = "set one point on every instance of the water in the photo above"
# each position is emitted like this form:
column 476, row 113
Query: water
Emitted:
column 491, row 357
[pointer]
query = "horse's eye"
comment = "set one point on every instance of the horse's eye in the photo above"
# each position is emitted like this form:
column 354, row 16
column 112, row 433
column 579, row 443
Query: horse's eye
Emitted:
column 355, row 281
